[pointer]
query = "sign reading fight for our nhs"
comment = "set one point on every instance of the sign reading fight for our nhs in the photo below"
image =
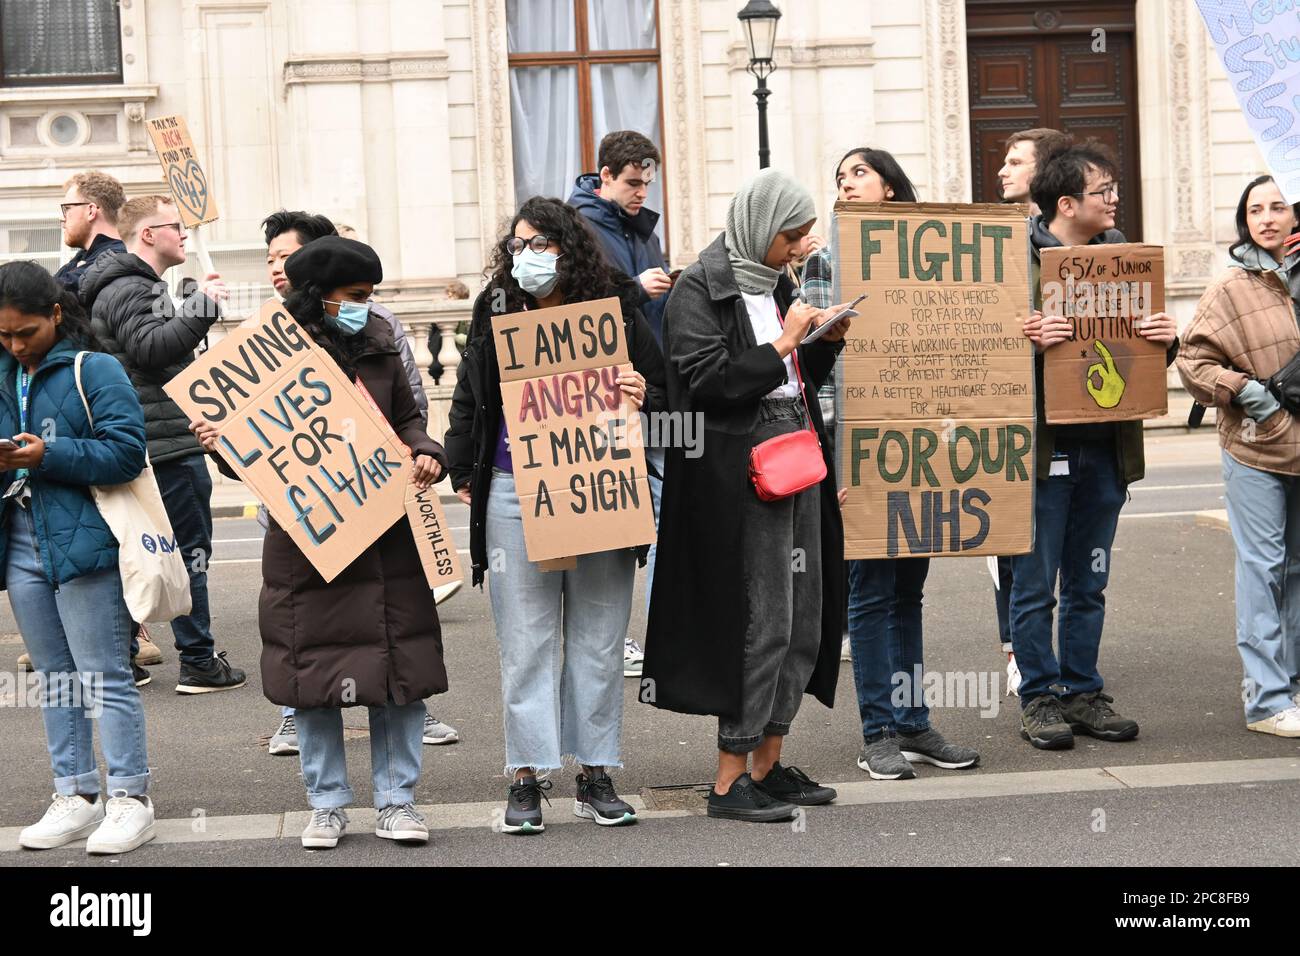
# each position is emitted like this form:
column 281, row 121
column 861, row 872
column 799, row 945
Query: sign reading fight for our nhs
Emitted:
column 300, row 435
column 1258, row 42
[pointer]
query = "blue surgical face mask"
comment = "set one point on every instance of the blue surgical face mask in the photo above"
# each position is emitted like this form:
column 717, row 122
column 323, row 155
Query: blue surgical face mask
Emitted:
column 535, row 272
column 351, row 318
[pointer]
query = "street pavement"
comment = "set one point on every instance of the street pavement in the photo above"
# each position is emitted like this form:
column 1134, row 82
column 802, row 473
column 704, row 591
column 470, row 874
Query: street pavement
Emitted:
column 1195, row 788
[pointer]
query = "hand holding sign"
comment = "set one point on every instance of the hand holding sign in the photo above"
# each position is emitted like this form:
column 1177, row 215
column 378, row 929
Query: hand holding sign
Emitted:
column 1111, row 390
column 425, row 471
column 1161, row 328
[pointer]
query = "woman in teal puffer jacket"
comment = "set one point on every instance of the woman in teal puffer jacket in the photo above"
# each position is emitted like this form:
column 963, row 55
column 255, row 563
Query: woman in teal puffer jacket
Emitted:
column 58, row 559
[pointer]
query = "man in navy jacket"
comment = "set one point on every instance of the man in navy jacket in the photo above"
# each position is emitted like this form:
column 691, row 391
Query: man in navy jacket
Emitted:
column 613, row 201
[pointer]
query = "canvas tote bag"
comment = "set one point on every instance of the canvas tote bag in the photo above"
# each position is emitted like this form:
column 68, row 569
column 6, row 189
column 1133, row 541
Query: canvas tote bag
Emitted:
column 155, row 582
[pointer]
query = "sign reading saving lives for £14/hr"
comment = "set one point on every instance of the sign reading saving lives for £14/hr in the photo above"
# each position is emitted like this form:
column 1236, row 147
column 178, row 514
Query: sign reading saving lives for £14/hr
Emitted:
column 575, row 443
column 314, row 450
column 938, row 378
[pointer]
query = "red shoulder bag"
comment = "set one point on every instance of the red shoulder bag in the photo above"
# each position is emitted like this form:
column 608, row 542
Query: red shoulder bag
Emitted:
column 790, row 463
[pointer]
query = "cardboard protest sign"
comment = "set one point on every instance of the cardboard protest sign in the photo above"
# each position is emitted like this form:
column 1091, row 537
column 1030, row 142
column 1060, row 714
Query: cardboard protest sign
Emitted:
column 575, row 444
column 1106, row 372
column 182, row 169
column 301, row 436
column 432, row 536
column 938, row 378
column 1258, row 44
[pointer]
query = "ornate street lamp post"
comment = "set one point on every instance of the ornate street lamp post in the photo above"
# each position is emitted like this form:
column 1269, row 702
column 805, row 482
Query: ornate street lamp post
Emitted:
column 759, row 19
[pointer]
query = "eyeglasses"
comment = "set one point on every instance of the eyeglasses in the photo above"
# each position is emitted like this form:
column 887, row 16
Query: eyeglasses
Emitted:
column 65, row 206
column 539, row 243
column 1106, row 193
column 178, row 226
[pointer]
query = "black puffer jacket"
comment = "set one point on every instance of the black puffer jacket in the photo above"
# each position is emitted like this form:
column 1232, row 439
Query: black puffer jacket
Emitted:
column 475, row 417
column 135, row 319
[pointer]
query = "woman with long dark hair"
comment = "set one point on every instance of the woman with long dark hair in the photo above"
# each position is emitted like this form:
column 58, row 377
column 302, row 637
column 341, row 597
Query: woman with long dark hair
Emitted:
column 885, row 595
column 370, row 637
column 560, row 632
column 1244, row 331
column 59, row 559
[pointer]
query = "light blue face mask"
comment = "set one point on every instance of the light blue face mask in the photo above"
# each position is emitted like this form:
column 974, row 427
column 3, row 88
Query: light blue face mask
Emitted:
column 535, row 272
column 351, row 318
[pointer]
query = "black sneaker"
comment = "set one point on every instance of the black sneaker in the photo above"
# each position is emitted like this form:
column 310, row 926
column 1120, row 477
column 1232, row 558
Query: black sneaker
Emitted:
column 1043, row 725
column 524, row 806
column 139, row 674
column 596, row 799
column 792, row 785
column 745, row 801
column 1092, row 714
column 216, row 675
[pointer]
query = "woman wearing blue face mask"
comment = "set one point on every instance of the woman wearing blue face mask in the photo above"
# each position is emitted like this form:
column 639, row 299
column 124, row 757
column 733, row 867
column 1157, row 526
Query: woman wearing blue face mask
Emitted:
column 560, row 632
column 370, row 637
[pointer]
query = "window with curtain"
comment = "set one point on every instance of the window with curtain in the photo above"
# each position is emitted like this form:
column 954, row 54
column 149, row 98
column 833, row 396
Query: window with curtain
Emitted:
column 47, row 42
column 580, row 69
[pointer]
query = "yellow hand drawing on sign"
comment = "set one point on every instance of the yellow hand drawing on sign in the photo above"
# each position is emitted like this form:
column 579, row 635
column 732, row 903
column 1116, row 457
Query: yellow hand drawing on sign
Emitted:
column 1111, row 389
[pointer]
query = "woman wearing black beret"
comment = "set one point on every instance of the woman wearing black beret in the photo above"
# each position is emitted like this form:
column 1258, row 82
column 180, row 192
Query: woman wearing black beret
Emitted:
column 371, row 636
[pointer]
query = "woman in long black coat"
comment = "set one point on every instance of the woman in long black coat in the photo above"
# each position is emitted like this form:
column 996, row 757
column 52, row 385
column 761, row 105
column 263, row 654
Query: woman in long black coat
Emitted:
column 742, row 620
column 370, row 637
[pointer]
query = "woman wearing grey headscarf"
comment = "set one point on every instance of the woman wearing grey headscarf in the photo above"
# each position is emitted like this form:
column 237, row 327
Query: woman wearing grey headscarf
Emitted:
column 742, row 620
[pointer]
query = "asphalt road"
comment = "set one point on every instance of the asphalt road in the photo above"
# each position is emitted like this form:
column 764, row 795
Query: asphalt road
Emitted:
column 1168, row 657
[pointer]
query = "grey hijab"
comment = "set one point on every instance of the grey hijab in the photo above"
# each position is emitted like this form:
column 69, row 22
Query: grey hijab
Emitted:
column 769, row 203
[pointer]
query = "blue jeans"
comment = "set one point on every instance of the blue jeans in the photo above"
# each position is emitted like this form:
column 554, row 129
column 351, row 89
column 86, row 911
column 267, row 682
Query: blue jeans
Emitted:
column 1264, row 514
column 1075, row 517
column 186, row 489
column 657, row 456
column 81, row 628
column 885, row 630
column 561, row 638
column 396, row 735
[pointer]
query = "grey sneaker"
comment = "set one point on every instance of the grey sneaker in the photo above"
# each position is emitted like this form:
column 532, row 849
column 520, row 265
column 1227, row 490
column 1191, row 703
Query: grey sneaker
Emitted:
column 285, row 739
column 401, row 822
column 929, row 747
column 633, row 658
column 437, row 733
column 1044, row 726
column 325, row 828
column 883, row 759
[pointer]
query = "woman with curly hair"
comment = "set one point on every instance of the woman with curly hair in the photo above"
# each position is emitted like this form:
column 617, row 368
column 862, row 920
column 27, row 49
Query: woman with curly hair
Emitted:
column 560, row 632
column 370, row 637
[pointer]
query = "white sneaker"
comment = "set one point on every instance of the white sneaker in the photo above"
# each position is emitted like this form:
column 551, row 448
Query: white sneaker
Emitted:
column 128, row 823
column 437, row 733
column 68, row 819
column 633, row 658
column 1013, row 676
column 846, row 650
column 1284, row 724
column 325, row 828
column 444, row 591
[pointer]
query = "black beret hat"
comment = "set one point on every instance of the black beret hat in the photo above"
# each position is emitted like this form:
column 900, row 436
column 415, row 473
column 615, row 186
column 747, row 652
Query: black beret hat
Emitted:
column 332, row 261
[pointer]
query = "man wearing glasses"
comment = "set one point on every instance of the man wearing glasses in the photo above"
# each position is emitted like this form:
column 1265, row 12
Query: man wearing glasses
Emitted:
column 89, row 213
column 1082, row 473
column 134, row 318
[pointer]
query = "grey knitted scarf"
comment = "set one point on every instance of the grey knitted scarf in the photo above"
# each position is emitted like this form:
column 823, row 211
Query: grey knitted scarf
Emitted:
column 769, row 203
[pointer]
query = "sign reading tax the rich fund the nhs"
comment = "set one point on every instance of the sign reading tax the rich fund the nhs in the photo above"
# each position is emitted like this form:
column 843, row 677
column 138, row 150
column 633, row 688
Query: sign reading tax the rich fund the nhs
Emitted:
column 300, row 435
column 938, row 379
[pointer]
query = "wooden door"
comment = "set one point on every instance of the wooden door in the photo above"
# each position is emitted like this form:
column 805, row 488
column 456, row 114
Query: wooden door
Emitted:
column 1047, row 64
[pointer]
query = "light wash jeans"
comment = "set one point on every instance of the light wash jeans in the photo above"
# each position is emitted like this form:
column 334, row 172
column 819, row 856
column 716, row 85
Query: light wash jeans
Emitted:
column 1264, row 514
column 561, row 637
column 85, row 628
column 657, row 456
column 396, row 734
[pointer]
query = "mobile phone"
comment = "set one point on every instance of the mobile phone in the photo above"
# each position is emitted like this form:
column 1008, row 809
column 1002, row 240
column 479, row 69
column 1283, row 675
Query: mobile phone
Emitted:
column 674, row 275
column 847, row 312
column 8, row 444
